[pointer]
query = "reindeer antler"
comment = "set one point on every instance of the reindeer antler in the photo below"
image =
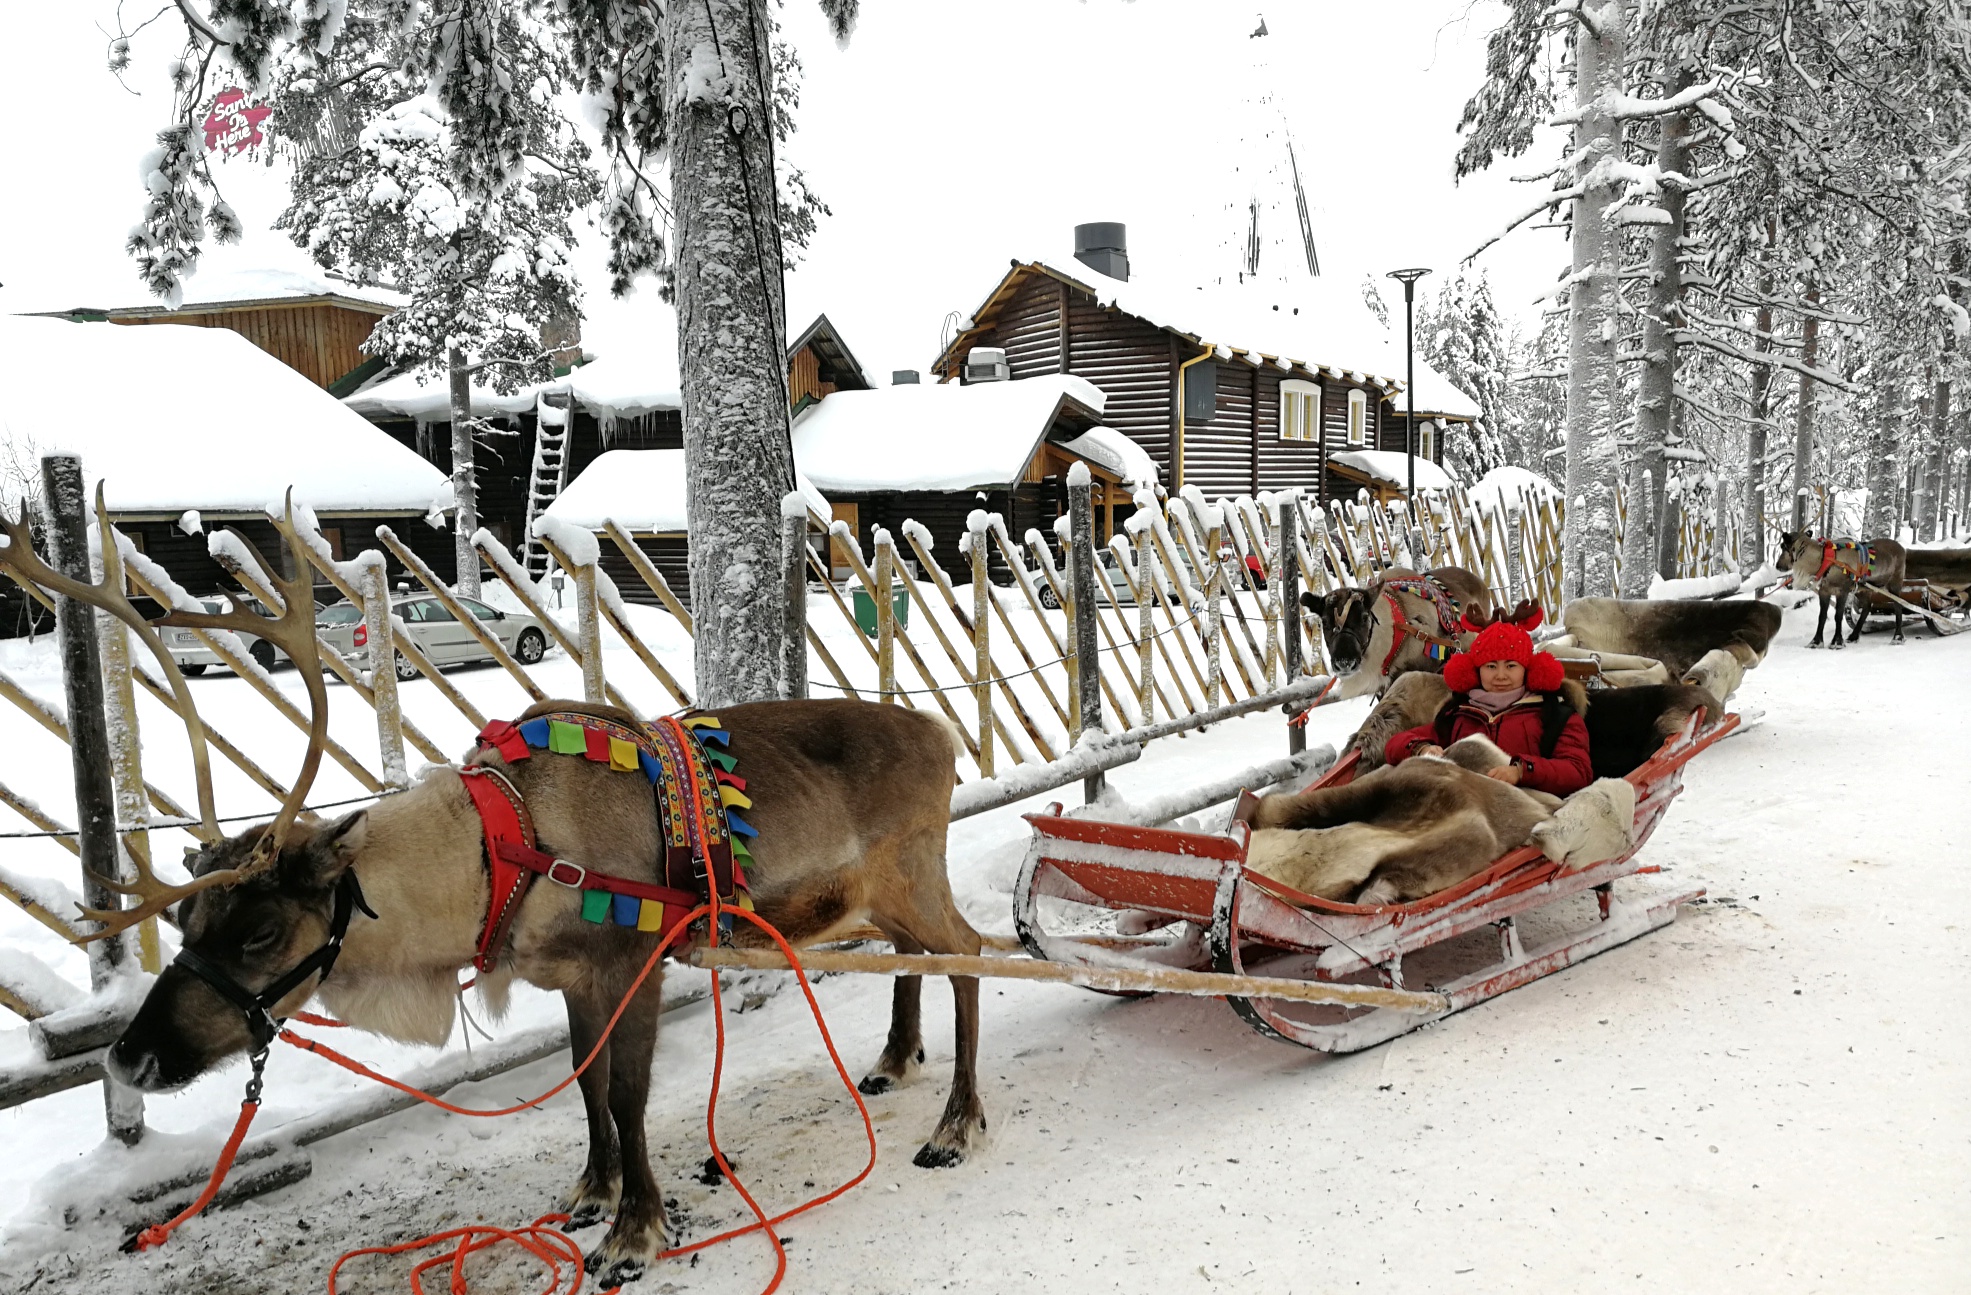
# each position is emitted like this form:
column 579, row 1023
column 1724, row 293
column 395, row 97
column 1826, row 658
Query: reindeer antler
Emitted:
column 293, row 631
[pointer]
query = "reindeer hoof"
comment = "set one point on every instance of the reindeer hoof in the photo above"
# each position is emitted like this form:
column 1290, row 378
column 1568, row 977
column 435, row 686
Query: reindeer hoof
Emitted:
column 1816, row 644
column 586, row 1215
column 888, row 1076
column 933, row 1156
column 609, row 1273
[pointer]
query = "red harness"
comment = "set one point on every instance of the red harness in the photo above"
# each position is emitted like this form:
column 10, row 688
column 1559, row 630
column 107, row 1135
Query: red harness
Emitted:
column 1828, row 548
column 1440, row 648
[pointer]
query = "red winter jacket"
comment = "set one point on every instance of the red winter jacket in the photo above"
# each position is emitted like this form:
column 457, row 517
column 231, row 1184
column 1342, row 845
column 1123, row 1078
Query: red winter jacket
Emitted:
column 1517, row 731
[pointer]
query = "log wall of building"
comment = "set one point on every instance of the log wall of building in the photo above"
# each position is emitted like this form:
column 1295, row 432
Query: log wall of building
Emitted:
column 318, row 340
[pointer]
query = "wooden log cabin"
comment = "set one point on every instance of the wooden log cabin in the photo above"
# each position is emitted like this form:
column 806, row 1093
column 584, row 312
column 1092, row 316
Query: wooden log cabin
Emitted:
column 1233, row 388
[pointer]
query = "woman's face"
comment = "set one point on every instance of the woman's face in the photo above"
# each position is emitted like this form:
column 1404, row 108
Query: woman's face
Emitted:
column 1501, row 676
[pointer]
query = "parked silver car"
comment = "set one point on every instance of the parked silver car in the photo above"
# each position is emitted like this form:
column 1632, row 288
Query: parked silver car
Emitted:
column 436, row 631
column 193, row 657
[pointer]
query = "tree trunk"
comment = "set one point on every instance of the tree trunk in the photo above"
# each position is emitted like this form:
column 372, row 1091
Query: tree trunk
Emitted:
column 1803, row 427
column 1752, row 544
column 1588, row 538
column 1883, row 436
column 465, row 486
column 1657, row 383
column 1933, row 517
column 732, row 342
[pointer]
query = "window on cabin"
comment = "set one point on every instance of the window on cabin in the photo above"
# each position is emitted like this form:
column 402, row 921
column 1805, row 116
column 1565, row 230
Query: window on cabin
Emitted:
column 1358, row 416
column 1201, row 392
column 1427, row 440
column 1300, row 410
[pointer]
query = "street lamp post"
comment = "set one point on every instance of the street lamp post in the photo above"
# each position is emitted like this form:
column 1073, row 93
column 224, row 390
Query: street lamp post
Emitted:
column 1409, row 280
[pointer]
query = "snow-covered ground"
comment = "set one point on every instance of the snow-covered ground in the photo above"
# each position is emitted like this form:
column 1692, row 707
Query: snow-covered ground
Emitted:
column 1768, row 1095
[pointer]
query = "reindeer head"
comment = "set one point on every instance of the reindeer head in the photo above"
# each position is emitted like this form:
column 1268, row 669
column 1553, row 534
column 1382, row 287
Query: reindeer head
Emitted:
column 1793, row 546
column 254, row 931
column 1348, row 622
column 255, row 861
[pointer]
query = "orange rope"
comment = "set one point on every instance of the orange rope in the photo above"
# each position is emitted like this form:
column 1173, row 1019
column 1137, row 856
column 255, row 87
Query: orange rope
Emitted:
column 159, row 1233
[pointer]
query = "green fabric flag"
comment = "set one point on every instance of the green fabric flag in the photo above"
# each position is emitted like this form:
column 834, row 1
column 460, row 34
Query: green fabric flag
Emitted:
column 567, row 739
column 595, row 903
column 723, row 759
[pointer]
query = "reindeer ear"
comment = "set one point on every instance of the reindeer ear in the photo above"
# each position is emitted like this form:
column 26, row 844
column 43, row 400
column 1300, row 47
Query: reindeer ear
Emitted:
column 335, row 847
column 1312, row 601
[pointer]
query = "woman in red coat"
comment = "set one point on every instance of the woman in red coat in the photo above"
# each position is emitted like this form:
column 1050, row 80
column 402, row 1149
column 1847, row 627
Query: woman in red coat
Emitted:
column 1503, row 690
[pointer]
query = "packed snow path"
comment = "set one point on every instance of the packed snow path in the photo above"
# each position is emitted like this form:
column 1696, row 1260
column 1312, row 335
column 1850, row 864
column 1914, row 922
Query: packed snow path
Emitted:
column 1769, row 1095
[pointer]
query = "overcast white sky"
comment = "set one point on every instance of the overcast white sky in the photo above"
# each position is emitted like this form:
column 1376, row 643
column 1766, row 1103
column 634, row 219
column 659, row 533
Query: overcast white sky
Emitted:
column 948, row 138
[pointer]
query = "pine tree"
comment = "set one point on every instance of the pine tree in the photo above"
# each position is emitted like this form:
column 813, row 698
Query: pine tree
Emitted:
column 1461, row 334
column 395, row 189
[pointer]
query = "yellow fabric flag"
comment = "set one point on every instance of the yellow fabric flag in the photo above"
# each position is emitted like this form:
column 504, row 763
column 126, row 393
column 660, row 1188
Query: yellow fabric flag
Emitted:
column 734, row 797
column 650, row 916
column 622, row 755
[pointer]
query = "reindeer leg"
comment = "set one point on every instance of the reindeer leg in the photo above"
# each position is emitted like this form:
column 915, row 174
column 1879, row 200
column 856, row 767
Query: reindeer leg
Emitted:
column 637, row 1235
column 593, row 1198
column 1820, row 630
column 928, row 915
column 904, row 1052
column 1840, row 618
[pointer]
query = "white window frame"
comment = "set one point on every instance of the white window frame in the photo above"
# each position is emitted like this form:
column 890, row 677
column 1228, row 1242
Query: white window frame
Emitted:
column 1306, row 396
column 1427, row 439
column 1358, row 418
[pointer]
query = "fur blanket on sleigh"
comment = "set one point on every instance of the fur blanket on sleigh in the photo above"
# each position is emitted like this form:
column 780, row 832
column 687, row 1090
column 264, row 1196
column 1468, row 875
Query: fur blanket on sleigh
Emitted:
column 1401, row 832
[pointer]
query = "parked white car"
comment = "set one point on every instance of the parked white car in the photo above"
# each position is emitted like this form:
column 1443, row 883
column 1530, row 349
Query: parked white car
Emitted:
column 193, row 657
column 436, row 631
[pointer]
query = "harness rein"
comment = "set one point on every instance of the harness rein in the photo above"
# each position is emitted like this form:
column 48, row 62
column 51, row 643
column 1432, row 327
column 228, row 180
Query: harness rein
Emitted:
column 1828, row 560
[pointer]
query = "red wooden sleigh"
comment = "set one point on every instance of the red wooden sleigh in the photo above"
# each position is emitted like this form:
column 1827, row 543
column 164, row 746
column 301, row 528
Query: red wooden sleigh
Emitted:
column 1216, row 916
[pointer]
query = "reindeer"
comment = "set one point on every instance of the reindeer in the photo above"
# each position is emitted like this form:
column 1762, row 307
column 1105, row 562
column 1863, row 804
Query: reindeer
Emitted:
column 378, row 911
column 1396, row 624
column 1838, row 569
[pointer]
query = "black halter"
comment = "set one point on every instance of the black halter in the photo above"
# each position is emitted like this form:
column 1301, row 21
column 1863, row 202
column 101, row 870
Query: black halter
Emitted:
column 259, row 1007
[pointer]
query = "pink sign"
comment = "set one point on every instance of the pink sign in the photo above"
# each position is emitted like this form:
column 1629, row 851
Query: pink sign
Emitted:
column 233, row 126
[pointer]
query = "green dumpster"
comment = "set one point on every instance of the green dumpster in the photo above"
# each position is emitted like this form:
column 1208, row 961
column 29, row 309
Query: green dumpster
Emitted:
column 865, row 607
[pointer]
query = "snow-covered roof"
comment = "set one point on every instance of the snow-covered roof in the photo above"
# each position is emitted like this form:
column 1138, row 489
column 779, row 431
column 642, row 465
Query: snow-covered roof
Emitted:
column 1116, row 452
column 1435, row 395
column 1507, row 483
column 1319, row 324
column 178, row 418
column 261, row 284
column 642, row 491
column 939, row 436
column 623, row 384
column 1391, row 466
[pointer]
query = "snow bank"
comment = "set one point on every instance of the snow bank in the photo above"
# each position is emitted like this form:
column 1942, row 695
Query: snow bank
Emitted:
column 940, row 436
column 1503, row 486
column 177, row 419
column 1694, row 587
column 641, row 491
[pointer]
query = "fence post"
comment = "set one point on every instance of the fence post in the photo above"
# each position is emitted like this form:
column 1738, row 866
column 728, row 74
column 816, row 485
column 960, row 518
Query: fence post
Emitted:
column 794, row 567
column 884, row 577
column 120, row 703
column 382, row 640
column 1214, row 617
column 588, row 628
column 1290, row 604
column 975, row 526
column 89, row 748
column 1081, row 586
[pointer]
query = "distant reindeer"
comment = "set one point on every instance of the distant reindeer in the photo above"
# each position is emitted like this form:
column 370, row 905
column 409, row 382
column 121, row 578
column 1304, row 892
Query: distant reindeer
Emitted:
column 1400, row 622
column 1838, row 569
column 851, row 801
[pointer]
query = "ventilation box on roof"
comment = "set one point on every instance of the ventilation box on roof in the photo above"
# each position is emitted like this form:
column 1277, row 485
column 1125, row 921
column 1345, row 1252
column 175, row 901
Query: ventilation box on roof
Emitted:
column 1103, row 246
column 986, row 364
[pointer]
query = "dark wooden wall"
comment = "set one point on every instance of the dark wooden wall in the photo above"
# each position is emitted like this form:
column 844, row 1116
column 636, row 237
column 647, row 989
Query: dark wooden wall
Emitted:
column 189, row 561
column 670, row 554
column 1236, row 451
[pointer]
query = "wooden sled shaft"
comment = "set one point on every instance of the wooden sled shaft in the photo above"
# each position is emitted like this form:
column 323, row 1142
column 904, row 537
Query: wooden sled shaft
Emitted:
column 1149, row 980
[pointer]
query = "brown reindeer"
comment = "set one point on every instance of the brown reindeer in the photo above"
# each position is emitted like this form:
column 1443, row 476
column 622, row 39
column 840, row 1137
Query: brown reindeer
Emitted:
column 1837, row 570
column 851, row 801
column 1361, row 626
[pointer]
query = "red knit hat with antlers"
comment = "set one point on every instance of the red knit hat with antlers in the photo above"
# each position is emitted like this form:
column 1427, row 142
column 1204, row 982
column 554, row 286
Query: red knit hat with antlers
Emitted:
column 1504, row 637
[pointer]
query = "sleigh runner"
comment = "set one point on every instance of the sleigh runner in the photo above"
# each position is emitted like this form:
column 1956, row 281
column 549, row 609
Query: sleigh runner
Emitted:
column 1237, row 923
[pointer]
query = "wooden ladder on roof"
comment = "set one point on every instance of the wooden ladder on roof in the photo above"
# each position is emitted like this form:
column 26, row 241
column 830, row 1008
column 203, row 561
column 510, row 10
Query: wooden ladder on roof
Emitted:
column 549, row 476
